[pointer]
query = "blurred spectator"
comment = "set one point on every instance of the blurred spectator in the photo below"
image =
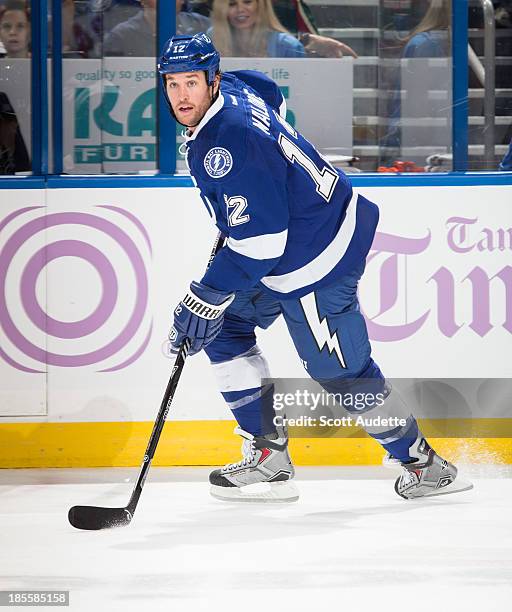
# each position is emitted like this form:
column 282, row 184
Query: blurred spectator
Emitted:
column 188, row 22
column 506, row 162
column 250, row 28
column 13, row 152
column 431, row 37
column 111, row 11
column 322, row 46
column 107, row 5
column 76, row 40
column 98, row 17
column 503, row 11
column 15, row 29
column 203, row 7
column 136, row 37
column 402, row 15
column 296, row 17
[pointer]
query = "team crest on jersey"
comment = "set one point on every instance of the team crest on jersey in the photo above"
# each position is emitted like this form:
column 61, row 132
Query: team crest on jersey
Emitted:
column 218, row 162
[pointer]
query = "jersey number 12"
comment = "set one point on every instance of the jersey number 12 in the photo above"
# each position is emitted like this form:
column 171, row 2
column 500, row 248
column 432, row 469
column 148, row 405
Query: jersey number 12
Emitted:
column 236, row 206
column 325, row 179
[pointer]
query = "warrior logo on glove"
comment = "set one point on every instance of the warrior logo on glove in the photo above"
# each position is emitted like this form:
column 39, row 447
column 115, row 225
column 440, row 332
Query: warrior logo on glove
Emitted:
column 199, row 316
column 200, row 308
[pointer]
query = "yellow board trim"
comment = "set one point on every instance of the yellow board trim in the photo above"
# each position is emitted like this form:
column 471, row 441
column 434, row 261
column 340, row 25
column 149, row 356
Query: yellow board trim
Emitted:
column 45, row 445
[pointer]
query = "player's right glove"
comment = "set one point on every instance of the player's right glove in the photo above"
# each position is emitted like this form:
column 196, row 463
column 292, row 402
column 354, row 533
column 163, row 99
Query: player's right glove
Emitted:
column 199, row 317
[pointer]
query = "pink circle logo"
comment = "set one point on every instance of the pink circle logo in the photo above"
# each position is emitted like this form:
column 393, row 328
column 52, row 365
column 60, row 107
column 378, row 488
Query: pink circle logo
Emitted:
column 20, row 273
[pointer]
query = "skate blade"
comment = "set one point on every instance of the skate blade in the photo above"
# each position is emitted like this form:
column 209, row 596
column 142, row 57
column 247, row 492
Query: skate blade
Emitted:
column 266, row 492
column 457, row 486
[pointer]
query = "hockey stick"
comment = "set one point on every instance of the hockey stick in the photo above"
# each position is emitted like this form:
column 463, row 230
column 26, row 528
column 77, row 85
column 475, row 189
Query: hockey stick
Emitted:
column 95, row 517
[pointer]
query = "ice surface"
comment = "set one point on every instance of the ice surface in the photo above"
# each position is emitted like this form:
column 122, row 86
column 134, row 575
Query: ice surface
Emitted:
column 350, row 543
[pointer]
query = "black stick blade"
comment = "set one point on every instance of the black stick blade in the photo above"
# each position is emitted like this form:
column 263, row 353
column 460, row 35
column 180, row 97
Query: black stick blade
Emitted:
column 93, row 517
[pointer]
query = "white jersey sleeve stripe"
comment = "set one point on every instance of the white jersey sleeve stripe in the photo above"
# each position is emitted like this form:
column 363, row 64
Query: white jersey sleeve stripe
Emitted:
column 319, row 267
column 282, row 108
column 210, row 208
column 265, row 246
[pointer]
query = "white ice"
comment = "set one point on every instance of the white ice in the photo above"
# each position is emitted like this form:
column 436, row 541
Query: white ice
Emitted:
column 349, row 544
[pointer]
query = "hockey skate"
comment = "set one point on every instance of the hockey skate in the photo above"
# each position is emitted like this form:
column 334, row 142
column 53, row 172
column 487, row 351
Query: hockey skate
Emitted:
column 263, row 475
column 427, row 474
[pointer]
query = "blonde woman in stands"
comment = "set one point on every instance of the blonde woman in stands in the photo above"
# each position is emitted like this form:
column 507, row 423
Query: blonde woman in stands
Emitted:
column 431, row 37
column 250, row 28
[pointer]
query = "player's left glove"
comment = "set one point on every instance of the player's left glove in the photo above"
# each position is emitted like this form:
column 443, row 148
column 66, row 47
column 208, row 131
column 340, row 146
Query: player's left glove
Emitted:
column 199, row 317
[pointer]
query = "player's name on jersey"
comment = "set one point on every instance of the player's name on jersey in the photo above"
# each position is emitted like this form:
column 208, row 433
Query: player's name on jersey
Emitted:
column 346, row 421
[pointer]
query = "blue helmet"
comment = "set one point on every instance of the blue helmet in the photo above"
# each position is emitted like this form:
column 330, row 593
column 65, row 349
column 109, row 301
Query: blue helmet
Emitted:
column 190, row 54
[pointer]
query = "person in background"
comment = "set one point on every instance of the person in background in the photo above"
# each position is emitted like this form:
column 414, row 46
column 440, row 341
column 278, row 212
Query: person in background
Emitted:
column 98, row 17
column 13, row 152
column 136, row 37
column 296, row 17
column 503, row 12
column 15, row 29
column 189, row 22
column 506, row 162
column 431, row 37
column 250, row 28
column 76, row 40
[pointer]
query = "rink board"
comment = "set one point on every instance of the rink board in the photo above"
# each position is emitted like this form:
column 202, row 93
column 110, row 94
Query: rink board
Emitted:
column 211, row 443
column 91, row 276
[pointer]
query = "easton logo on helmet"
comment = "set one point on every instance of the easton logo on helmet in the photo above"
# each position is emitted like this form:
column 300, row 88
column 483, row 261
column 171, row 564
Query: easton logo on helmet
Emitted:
column 189, row 54
column 218, row 162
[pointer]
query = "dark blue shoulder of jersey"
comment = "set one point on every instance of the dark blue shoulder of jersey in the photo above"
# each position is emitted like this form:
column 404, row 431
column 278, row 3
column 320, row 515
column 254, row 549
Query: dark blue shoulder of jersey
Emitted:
column 265, row 87
column 230, row 129
column 241, row 173
column 221, row 150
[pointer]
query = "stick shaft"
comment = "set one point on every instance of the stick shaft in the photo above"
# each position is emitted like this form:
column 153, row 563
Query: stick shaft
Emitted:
column 166, row 404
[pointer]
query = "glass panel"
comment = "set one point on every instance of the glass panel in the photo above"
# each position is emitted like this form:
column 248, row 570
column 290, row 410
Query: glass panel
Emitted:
column 355, row 24
column 385, row 106
column 109, row 77
column 490, row 85
column 403, row 81
column 15, row 88
column 415, row 86
column 280, row 38
column 109, row 86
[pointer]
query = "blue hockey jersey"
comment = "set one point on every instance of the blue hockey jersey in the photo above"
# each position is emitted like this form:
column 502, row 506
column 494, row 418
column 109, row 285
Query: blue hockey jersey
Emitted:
column 291, row 220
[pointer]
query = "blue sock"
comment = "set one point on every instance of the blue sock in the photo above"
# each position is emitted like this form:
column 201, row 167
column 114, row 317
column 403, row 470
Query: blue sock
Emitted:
column 253, row 409
column 399, row 448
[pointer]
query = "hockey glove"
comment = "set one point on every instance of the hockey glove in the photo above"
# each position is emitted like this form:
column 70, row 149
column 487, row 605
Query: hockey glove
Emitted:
column 199, row 317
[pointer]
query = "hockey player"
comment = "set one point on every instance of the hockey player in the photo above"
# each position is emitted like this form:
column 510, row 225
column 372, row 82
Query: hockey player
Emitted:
column 297, row 238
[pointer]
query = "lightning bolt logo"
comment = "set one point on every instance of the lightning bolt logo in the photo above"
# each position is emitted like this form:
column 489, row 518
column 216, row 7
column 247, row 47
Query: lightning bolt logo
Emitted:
column 216, row 162
column 320, row 329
